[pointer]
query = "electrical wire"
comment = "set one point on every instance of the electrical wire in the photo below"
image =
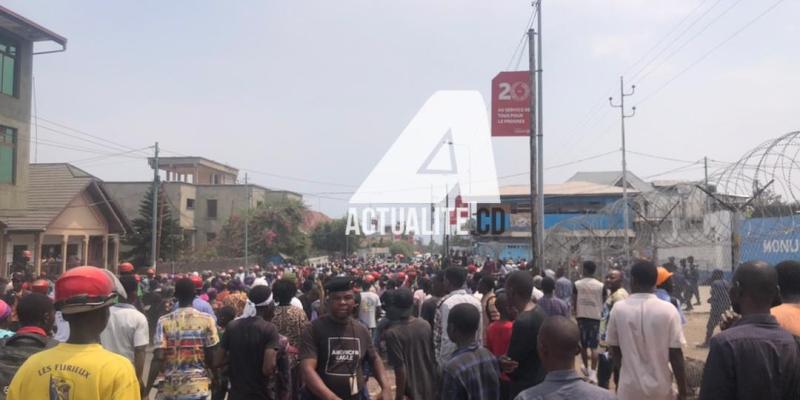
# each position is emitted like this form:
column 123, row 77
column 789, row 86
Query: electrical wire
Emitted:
column 78, row 131
column 522, row 40
column 629, row 69
column 675, row 40
column 65, row 146
column 679, row 169
column 679, row 48
column 711, row 51
column 658, row 157
column 600, row 109
column 686, row 30
column 99, row 158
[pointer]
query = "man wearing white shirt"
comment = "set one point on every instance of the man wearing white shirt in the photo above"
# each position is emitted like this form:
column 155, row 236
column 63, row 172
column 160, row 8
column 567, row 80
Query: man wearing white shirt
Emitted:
column 454, row 280
column 127, row 332
column 646, row 338
column 588, row 300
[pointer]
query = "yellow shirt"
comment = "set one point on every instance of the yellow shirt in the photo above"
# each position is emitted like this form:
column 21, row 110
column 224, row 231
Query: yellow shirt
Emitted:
column 75, row 372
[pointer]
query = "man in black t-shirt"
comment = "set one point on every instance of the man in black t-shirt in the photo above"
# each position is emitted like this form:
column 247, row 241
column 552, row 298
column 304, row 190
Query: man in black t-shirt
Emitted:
column 334, row 348
column 428, row 309
column 250, row 345
column 409, row 347
column 522, row 362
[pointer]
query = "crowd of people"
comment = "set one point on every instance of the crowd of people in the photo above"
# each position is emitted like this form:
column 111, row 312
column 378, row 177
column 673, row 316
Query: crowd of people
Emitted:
column 448, row 329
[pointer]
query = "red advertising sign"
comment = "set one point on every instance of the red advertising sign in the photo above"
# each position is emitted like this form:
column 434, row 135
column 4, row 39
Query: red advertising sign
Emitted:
column 461, row 210
column 511, row 107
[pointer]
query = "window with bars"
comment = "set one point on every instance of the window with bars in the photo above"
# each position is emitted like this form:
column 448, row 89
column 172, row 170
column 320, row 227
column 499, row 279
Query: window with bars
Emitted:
column 8, row 155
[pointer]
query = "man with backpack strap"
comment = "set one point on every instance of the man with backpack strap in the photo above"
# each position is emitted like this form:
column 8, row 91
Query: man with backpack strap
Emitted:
column 36, row 315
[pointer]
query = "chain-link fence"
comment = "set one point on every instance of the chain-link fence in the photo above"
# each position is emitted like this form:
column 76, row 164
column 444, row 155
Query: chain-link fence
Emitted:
column 746, row 210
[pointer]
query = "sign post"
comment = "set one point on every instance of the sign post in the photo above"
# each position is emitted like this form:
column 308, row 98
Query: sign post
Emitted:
column 511, row 104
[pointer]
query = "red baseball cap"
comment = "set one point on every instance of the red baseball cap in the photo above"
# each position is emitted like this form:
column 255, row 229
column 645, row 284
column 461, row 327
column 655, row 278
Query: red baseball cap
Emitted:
column 83, row 289
column 197, row 281
column 126, row 267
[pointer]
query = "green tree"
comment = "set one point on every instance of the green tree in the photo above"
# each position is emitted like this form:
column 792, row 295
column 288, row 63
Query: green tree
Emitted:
column 401, row 247
column 170, row 242
column 330, row 237
column 273, row 229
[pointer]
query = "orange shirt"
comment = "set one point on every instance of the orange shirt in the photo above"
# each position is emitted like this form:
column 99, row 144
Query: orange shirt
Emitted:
column 788, row 316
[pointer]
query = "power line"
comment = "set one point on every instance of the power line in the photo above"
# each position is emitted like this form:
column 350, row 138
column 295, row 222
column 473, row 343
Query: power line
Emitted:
column 660, row 157
column 102, row 146
column 679, row 169
column 522, row 41
column 628, row 70
column 99, row 158
column 66, row 146
column 63, row 126
column 679, row 48
column 599, row 107
column 675, row 159
column 675, row 40
column 286, row 177
column 592, row 157
column 711, row 51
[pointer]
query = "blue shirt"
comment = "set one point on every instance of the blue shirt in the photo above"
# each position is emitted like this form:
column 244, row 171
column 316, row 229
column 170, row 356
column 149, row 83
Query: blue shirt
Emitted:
column 202, row 306
column 663, row 295
column 553, row 306
column 565, row 385
column 564, row 289
column 472, row 373
column 753, row 359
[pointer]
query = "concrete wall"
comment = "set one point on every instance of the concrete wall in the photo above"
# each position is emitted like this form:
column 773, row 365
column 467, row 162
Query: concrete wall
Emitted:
column 231, row 199
column 205, row 176
column 127, row 195
column 15, row 112
column 281, row 195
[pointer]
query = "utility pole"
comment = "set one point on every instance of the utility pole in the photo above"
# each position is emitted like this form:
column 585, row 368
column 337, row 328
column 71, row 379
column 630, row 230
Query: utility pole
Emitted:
column 433, row 210
column 623, row 117
column 246, row 221
column 535, row 255
column 446, row 242
column 154, row 226
column 539, row 141
column 705, row 168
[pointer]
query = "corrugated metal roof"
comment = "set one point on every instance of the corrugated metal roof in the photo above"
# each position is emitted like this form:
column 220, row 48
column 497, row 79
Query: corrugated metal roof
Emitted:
column 611, row 178
column 51, row 187
column 571, row 188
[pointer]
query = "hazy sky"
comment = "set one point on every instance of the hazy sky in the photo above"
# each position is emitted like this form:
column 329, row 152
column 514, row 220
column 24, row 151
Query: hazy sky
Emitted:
column 318, row 90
